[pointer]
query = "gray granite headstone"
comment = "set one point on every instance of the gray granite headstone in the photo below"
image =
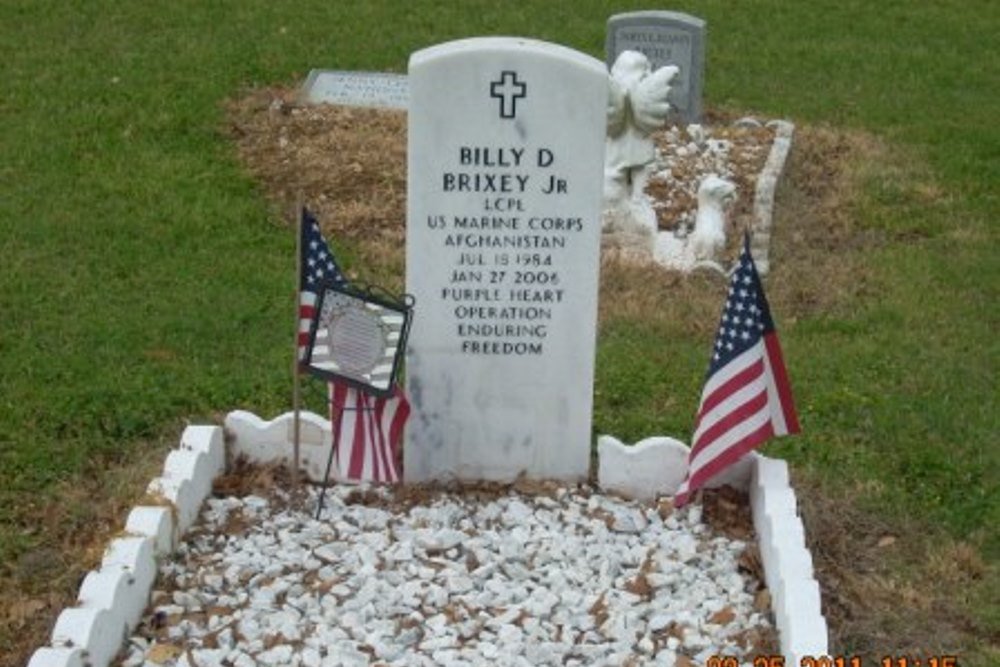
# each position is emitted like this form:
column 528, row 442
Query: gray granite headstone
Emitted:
column 505, row 173
column 666, row 38
column 361, row 89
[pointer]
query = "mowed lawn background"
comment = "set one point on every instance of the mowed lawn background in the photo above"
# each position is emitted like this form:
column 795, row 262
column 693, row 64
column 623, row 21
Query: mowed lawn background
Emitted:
column 145, row 282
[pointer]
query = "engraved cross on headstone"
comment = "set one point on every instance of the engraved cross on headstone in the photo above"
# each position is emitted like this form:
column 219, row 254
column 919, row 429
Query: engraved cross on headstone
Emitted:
column 508, row 90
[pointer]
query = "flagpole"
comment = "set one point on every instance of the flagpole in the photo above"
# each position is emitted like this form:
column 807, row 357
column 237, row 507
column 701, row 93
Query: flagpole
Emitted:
column 335, row 418
column 296, row 369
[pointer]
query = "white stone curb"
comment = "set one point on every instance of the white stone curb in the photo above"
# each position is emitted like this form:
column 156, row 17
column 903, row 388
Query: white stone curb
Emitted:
column 763, row 201
column 113, row 597
column 788, row 568
column 64, row 657
column 270, row 442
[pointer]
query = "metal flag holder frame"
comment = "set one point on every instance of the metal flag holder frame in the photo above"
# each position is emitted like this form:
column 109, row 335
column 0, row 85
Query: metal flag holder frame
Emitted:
column 334, row 447
column 366, row 311
column 357, row 336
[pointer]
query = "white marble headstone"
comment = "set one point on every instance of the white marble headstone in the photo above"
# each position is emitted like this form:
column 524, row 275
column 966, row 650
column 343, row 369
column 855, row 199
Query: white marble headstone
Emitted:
column 506, row 153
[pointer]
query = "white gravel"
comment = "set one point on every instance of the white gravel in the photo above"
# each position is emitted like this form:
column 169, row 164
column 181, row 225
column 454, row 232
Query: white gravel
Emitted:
column 685, row 156
column 573, row 579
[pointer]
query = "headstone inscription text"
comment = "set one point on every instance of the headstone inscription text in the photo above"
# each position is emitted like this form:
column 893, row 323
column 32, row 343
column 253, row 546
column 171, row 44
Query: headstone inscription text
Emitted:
column 506, row 145
column 362, row 89
column 666, row 38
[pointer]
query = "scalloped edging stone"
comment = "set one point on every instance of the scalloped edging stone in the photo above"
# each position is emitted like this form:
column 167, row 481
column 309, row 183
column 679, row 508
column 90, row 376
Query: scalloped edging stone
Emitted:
column 656, row 467
column 112, row 598
column 645, row 470
column 48, row 656
column 270, row 442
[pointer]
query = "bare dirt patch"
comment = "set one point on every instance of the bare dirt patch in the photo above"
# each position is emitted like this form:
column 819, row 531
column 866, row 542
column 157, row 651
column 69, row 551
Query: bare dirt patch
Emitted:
column 348, row 165
column 70, row 528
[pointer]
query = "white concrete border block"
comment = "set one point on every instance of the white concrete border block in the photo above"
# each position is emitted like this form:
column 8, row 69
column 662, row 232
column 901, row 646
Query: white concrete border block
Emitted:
column 196, row 467
column 780, row 532
column 802, row 636
column 271, row 441
column 113, row 598
column 650, row 468
column 57, row 657
column 178, row 492
column 117, row 590
column 657, row 466
column 788, row 567
column 155, row 521
column 96, row 631
column 207, row 440
column 777, row 505
column 793, row 566
column 135, row 556
column 770, row 473
column 802, row 601
column 111, row 590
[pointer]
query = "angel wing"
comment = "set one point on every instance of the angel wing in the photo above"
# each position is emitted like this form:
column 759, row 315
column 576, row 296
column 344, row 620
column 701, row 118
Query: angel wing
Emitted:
column 616, row 108
column 649, row 98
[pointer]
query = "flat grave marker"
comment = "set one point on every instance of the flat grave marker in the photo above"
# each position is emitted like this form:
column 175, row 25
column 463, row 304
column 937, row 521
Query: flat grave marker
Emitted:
column 361, row 89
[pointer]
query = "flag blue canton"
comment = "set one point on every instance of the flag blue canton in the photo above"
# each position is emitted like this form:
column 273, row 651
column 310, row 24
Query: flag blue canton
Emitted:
column 318, row 264
column 746, row 316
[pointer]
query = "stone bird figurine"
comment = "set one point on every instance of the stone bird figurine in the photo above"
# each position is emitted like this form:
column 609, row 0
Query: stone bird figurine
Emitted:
column 709, row 236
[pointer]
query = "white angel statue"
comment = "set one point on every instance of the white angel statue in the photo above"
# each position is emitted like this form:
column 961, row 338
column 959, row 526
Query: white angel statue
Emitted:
column 637, row 105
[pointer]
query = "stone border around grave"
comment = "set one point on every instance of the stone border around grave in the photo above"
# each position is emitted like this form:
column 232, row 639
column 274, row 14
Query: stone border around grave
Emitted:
column 657, row 466
column 113, row 597
column 763, row 201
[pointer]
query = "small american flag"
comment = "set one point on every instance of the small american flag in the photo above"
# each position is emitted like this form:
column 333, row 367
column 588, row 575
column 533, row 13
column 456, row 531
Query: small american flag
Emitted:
column 319, row 267
column 370, row 429
column 747, row 398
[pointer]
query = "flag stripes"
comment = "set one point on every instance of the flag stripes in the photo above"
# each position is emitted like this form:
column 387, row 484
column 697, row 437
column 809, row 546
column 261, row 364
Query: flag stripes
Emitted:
column 307, row 310
column 779, row 388
column 371, row 429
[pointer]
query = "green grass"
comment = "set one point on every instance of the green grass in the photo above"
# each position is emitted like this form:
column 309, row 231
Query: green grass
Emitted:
column 145, row 282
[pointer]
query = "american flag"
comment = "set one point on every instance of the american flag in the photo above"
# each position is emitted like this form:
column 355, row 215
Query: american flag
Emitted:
column 747, row 398
column 369, row 428
column 319, row 268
